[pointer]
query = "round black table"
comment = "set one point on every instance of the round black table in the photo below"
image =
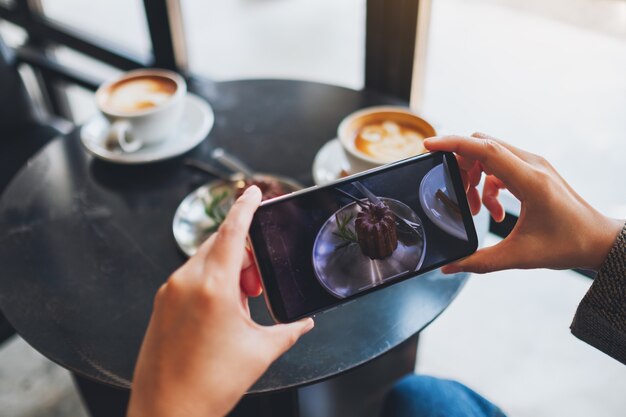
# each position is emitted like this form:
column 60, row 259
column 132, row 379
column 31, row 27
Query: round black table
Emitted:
column 86, row 244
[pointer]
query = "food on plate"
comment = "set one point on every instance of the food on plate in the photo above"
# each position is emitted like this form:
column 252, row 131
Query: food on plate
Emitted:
column 375, row 227
column 270, row 188
column 447, row 201
column 216, row 205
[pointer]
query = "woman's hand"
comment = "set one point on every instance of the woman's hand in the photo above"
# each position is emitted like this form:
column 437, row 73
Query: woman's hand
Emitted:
column 556, row 227
column 202, row 351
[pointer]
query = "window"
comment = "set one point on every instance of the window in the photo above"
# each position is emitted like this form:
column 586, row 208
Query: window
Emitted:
column 550, row 77
column 320, row 40
column 12, row 35
column 546, row 76
column 121, row 22
column 80, row 100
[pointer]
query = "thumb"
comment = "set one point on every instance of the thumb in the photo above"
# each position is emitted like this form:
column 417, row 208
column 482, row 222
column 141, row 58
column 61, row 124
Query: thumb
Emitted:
column 281, row 337
column 494, row 258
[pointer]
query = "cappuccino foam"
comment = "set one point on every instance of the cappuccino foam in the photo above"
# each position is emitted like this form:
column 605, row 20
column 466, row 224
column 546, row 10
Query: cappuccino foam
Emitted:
column 140, row 93
column 389, row 141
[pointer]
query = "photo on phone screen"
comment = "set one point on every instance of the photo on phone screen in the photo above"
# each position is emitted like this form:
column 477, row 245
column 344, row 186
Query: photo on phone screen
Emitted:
column 320, row 247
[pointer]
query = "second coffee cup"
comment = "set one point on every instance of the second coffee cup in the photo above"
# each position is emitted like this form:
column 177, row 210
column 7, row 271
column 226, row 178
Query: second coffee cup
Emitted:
column 375, row 136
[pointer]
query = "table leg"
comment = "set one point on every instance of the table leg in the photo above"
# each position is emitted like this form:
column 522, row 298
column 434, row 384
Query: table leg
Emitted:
column 283, row 404
column 102, row 400
column 361, row 391
column 358, row 392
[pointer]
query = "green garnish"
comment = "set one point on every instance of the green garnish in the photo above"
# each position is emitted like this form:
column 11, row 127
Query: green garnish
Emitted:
column 214, row 210
column 344, row 231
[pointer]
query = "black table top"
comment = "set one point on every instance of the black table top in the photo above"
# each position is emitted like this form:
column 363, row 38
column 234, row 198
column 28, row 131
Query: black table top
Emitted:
column 86, row 244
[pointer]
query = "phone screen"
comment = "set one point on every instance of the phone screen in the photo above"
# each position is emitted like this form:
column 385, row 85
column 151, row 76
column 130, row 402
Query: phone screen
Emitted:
column 321, row 247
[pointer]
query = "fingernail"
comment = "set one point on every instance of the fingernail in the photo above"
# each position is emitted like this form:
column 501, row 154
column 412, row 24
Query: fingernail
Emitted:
column 251, row 191
column 430, row 142
column 309, row 325
column 451, row 269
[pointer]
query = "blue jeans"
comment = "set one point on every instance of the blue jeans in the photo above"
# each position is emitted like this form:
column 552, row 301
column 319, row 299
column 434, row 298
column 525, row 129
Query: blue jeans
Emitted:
column 425, row 396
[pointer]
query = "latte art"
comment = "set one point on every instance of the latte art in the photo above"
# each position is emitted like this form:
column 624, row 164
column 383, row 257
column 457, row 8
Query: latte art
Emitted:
column 389, row 141
column 139, row 93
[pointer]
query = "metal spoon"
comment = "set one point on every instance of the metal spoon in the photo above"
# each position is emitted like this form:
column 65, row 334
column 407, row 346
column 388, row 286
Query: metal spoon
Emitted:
column 367, row 193
column 351, row 197
column 232, row 163
column 377, row 201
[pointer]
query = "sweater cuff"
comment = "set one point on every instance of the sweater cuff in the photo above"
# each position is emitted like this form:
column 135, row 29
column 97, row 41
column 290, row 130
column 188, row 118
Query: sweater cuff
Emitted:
column 600, row 319
column 595, row 330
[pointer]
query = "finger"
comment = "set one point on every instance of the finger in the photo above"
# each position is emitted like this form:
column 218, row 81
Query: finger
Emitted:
column 494, row 258
column 248, row 259
column 245, row 305
column 474, row 175
column 465, row 181
column 465, row 163
column 195, row 265
column 251, row 282
column 473, row 198
column 491, row 190
column 495, row 158
column 229, row 245
column 205, row 248
column 250, row 277
column 281, row 337
column 517, row 151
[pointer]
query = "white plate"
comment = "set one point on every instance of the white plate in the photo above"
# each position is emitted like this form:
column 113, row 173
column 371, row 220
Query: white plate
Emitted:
column 344, row 270
column 329, row 162
column 436, row 211
column 196, row 123
column 192, row 226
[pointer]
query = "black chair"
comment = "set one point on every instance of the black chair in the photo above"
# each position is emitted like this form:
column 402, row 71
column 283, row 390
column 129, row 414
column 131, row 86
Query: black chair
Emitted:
column 22, row 133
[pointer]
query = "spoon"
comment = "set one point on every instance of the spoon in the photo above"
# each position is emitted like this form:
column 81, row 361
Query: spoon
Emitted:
column 377, row 201
column 232, row 163
column 367, row 193
column 351, row 197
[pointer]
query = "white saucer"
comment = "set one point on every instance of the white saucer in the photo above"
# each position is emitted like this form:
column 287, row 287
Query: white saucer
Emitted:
column 195, row 125
column 329, row 162
column 435, row 210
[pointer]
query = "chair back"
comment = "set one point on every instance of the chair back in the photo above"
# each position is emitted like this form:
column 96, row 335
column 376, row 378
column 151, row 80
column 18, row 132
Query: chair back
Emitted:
column 15, row 105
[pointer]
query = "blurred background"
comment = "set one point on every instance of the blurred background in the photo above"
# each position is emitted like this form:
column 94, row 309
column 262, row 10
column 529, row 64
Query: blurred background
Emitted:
column 548, row 76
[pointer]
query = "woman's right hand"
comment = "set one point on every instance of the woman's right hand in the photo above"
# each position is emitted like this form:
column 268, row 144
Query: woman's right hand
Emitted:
column 202, row 351
column 556, row 227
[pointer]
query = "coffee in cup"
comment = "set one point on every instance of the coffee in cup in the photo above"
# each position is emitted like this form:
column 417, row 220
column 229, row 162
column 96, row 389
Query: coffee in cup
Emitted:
column 143, row 107
column 378, row 135
column 131, row 95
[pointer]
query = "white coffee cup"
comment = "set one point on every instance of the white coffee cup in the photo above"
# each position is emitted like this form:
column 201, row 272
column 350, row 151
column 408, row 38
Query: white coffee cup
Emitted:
column 142, row 106
column 351, row 125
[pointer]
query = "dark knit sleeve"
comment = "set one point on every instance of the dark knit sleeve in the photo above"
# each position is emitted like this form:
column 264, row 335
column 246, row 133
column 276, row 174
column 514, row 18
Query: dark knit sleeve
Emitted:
column 600, row 319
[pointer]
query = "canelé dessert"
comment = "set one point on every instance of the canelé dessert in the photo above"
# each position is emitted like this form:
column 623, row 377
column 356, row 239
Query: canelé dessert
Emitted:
column 375, row 227
column 270, row 188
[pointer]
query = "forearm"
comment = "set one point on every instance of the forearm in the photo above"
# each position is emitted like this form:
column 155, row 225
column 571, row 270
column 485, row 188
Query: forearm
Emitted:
column 600, row 319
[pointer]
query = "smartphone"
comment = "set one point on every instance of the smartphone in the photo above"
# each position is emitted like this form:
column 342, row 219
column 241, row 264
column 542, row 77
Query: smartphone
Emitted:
column 323, row 246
